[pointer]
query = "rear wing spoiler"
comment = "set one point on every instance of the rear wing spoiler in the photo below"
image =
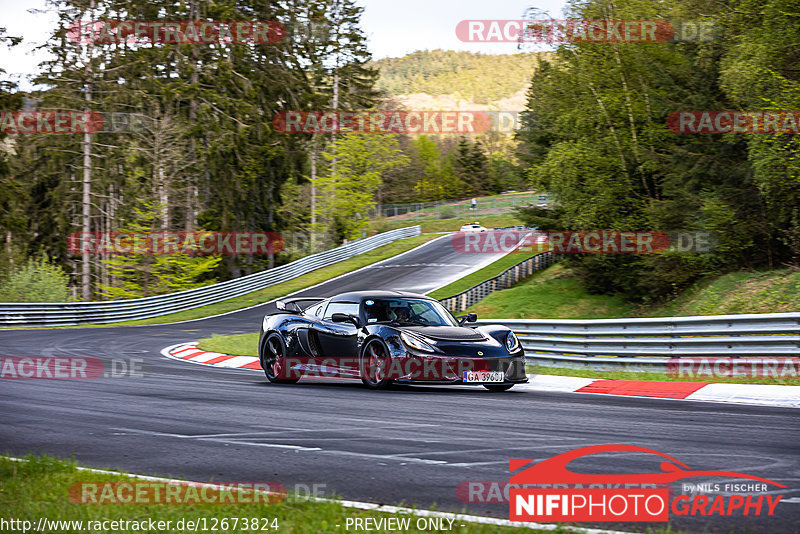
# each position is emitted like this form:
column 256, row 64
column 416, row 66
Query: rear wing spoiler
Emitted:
column 290, row 305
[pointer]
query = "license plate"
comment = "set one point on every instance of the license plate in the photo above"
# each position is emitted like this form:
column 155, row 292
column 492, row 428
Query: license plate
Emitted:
column 484, row 376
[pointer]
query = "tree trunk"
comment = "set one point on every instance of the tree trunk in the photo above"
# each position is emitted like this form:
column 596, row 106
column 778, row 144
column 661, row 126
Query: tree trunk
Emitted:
column 191, row 181
column 313, row 236
column 163, row 198
column 86, row 200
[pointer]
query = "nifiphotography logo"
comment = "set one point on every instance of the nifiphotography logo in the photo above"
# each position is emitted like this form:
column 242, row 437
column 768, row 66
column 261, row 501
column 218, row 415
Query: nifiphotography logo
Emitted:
column 564, row 495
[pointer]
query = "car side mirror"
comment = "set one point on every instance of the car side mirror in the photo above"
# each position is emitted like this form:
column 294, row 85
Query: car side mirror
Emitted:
column 345, row 318
column 468, row 318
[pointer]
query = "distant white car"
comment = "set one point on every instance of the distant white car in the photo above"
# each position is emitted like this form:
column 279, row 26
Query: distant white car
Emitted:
column 474, row 227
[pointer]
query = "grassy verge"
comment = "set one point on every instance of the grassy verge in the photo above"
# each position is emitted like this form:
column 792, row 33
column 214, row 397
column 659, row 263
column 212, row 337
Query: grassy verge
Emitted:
column 238, row 344
column 550, row 294
column 488, row 205
column 490, row 271
column 447, row 225
column 742, row 292
column 40, row 488
column 663, row 377
column 284, row 288
column 557, row 293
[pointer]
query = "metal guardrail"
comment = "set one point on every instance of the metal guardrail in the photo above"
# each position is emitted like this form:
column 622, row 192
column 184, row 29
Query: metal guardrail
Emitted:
column 504, row 280
column 447, row 209
column 648, row 343
column 74, row 313
column 635, row 344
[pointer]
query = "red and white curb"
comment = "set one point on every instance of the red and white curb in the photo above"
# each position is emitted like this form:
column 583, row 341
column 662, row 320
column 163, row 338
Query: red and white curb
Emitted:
column 758, row 394
column 189, row 352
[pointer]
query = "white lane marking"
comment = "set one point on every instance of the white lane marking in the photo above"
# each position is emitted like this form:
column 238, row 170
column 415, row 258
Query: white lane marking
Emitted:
column 277, row 430
column 338, row 452
column 182, row 436
column 376, row 507
column 471, row 464
column 275, row 445
column 270, row 445
column 422, row 265
column 469, row 451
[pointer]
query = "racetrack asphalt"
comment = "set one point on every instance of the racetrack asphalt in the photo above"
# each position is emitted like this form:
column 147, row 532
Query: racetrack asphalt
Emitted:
column 407, row 445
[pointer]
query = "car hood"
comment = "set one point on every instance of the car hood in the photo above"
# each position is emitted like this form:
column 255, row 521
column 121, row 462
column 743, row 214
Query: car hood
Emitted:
column 446, row 333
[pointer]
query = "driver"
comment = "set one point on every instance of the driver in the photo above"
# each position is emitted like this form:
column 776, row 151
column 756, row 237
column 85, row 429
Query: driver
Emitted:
column 402, row 314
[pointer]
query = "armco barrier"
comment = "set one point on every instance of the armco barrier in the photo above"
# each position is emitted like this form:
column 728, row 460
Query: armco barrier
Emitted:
column 73, row 313
column 504, row 280
column 647, row 344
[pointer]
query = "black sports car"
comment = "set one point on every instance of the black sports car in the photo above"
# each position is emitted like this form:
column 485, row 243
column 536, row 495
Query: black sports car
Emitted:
column 383, row 337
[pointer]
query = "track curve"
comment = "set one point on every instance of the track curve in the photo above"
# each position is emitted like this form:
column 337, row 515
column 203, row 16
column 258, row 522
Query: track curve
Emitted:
column 405, row 445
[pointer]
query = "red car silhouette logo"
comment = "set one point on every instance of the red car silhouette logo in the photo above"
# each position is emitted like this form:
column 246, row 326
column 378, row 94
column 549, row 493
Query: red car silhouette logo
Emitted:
column 554, row 470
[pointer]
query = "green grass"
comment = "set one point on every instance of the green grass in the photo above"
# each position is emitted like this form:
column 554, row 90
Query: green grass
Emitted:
column 553, row 293
column 39, row 488
column 284, row 288
column 490, row 271
column 238, row 344
column 663, row 377
column 741, row 292
column 486, row 206
column 557, row 293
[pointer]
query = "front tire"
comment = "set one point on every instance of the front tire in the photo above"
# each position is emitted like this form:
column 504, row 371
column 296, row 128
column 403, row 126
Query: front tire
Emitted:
column 273, row 361
column 375, row 363
column 498, row 388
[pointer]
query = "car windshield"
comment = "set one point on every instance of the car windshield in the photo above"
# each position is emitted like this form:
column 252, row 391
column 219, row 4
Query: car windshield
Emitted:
column 407, row 311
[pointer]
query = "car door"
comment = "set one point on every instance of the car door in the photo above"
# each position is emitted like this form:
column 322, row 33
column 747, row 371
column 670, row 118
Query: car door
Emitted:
column 339, row 341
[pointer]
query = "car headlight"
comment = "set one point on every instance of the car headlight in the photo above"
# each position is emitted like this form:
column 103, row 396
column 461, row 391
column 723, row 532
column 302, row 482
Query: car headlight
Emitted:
column 415, row 343
column 512, row 342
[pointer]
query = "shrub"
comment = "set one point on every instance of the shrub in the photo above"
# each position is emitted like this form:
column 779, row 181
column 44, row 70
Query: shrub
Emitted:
column 35, row 281
column 447, row 212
